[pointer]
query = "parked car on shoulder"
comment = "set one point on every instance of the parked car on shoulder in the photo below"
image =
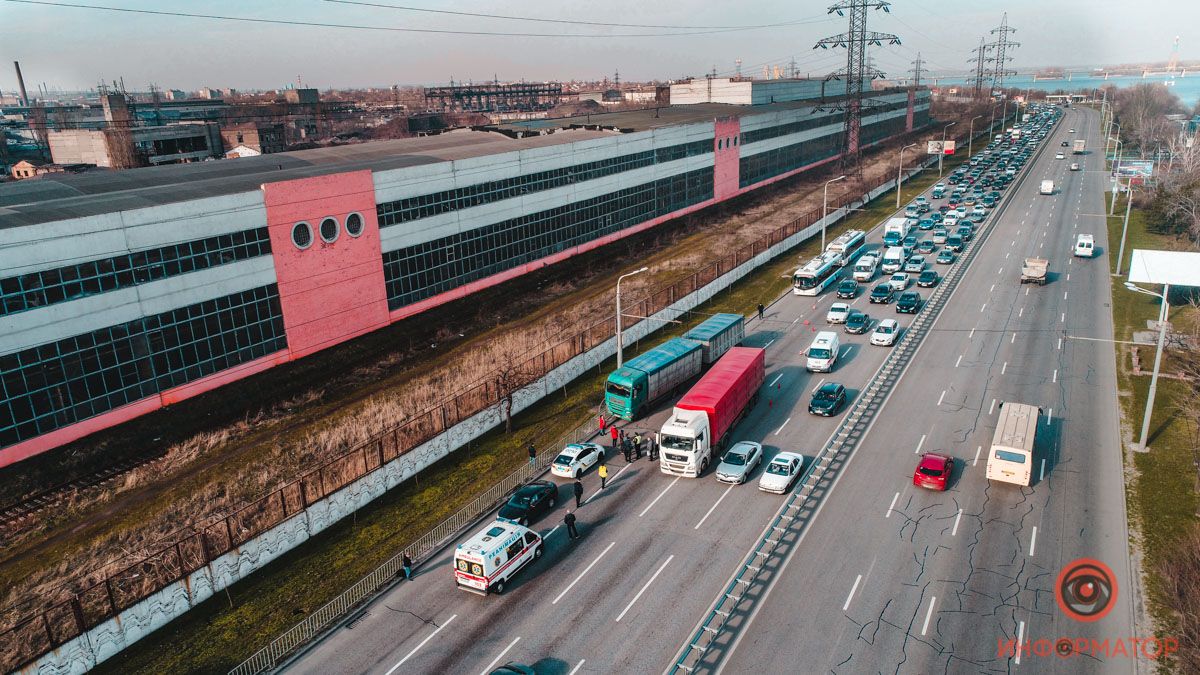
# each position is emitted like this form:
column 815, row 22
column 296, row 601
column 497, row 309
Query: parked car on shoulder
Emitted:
column 530, row 502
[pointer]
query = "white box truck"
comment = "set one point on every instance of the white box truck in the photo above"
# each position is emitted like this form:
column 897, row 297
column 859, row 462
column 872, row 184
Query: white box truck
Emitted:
column 864, row 269
column 1047, row 187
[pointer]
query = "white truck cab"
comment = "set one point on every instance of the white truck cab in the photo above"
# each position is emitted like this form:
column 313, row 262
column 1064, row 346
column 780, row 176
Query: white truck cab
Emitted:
column 685, row 443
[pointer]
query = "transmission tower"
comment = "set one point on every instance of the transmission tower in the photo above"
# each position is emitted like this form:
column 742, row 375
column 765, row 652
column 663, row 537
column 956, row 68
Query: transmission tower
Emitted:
column 855, row 40
column 916, row 71
column 1000, row 70
column 980, row 60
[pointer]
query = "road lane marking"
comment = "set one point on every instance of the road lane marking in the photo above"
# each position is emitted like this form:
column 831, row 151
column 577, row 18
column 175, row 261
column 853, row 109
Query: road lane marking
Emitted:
column 1042, row 473
column 639, row 593
column 942, row 397
column 1063, row 318
column 1013, row 340
column 710, row 510
column 577, row 667
column 992, row 407
column 958, row 361
column 497, row 659
column 1033, row 541
column 1004, row 368
column 1005, row 257
column 1060, row 343
column 983, row 307
column 781, row 426
column 954, row 532
column 1020, row 312
column 1068, row 276
column 919, row 444
column 568, row 588
column 928, row 614
column 978, row 449
column 660, row 495
column 992, row 289
column 1042, row 245
column 972, row 335
column 1027, row 290
column 1000, row 271
column 852, row 589
column 1049, row 417
column 814, row 389
column 796, row 321
column 427, row 639
column 769, row 343
column 843, row 354
column 777, row 378
column 1055, row 378
column 893, row 505
column 1064, row 295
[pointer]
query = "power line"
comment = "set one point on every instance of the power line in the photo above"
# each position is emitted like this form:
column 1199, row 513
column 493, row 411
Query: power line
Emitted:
column 390, row 29
column 566, row 21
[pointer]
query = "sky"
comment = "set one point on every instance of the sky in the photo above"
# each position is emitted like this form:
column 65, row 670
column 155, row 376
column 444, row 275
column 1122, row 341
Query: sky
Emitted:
column 74, row 48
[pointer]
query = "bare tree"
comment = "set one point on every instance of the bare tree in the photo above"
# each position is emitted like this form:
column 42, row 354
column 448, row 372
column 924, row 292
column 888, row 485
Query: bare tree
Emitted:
column 1179, row 574
column 515, row 370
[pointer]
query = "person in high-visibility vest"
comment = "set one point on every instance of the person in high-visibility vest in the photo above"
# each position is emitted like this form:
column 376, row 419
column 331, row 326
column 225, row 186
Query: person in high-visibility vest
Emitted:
column 603, row 472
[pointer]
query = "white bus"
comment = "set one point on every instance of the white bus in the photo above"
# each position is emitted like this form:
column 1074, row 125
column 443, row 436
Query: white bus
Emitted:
column 849, row 244
column 817, row 274
column 1010, row 459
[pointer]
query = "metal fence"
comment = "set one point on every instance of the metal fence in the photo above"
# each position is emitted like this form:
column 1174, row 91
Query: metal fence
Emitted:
column 108, row 591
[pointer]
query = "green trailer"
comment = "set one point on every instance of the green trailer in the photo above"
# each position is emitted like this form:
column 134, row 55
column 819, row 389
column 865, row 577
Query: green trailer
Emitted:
column 650, row 376
column 717, row 334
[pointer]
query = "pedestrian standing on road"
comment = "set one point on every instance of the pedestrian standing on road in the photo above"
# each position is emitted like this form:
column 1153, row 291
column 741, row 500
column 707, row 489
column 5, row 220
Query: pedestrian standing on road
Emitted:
column 637, row 445
column 627, row 450
column 532, row 454
column 613, row 431
column 569, row 519
column 406, row 565
column 603, row 424
column 653, row 449
column 760, row 311
column 578, row 488
column 603, row 473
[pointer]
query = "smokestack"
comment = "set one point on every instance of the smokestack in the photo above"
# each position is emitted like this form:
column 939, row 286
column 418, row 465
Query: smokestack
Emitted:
column 21, row 83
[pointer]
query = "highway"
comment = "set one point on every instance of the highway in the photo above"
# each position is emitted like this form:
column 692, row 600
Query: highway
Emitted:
column 888, row 578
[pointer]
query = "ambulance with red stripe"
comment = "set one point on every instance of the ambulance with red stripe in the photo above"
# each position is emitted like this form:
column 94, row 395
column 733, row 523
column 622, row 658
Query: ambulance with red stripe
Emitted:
column 487, row 561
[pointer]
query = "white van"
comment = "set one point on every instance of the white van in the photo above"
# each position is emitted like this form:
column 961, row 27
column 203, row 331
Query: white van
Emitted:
column 1085, row 246
column 864, row 269
column 484, row 563
column 823, row 353
column 893, row 259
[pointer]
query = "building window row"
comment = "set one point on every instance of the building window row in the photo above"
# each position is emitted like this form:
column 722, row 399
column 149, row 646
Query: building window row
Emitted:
column 70, row 282
column 60, row 383
column 764, row 165
column 427, row 269
column 424, row 206
column 811, row 123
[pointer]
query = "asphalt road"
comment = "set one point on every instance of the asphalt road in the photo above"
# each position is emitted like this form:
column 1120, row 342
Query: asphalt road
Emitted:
column 656, row 549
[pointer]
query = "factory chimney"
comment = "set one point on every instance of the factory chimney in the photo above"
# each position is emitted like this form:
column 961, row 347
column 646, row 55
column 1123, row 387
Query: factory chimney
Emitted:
column 21, row 83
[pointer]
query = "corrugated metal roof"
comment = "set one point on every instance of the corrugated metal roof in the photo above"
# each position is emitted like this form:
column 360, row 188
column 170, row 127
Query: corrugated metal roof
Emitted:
column 713, row 326
column 668, row 352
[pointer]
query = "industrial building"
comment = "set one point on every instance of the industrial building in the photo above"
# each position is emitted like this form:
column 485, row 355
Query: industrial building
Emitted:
column 124, row 292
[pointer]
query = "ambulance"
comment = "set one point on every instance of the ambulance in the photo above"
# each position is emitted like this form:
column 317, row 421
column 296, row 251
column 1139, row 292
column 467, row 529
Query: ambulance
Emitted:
column 487, row 561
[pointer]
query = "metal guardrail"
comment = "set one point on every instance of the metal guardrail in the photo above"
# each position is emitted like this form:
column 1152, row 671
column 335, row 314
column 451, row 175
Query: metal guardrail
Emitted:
column 366, row 588
column 703, row 651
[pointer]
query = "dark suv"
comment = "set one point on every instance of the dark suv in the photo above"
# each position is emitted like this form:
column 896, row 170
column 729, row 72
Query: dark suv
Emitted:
column 828, row 400
column 882, row 293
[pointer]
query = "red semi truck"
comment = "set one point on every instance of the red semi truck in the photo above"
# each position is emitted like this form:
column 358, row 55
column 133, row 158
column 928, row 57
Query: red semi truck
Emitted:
column 700, row 424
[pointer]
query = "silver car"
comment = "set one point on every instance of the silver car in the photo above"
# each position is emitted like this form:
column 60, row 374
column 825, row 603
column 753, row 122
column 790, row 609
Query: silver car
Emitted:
column 739, row 462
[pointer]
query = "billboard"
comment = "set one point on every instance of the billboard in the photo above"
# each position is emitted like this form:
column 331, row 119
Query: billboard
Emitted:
column 940, row 148
column 1135, row 168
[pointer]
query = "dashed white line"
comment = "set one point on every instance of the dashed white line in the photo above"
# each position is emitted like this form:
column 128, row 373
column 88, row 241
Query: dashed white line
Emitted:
column 958, row 361
column 954, row 532
column 1055, row 378
column 942, row 397
column 669, row 485
column 1033, row 541
column 501, row 655
column 892, row 506
column 814, row 389
column 928, row 614
column 796, row 321
column 1042, row 473
column 710, row 510
column 1068, row 276
column 983, row 307
column 422, row 644
column 1020, row 312
column 972, row 334
column 992, row 407
column 1064, row 295
column 568, row 588
column 1026, row 290
column 769, row 343
column 1005, row 257
column 1013, row 340
column 781, row 426
column 647, row 585
column 1060, row 343
column 919, row 444
column 978, row 449
column 777, row 378
column 992, row 289
column 1063, row 318
column 1000, row 271
column 1049, row 416
column 853, row 588
column 577, row 667
column 1004, row 368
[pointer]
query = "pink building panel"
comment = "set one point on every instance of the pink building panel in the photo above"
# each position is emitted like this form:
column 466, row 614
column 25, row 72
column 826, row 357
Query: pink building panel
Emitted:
column 726, row 171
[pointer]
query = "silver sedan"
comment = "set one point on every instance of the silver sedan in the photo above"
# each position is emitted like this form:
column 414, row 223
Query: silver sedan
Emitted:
column 739, row 462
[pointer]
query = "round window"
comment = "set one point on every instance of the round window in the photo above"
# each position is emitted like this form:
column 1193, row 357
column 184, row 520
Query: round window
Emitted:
column 354, row 224
column 302, row 235
column 329, row 230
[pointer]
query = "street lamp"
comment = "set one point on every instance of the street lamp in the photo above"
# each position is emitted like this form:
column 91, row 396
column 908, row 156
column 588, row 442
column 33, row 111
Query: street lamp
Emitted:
column 971, row 136
column 1125, row 227
column 825, row 208
column 943, row 152
column 1162, row 338
column 619, row 337
column 899, row 169
column 1108, row 137
column 1112, row 207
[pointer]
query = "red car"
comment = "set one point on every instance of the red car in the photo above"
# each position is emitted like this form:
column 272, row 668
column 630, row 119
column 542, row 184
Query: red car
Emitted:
column 933, row 471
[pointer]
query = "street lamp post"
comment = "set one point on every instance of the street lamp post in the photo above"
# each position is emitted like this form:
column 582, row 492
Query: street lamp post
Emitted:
column 1162, row 338
column 619, row 336
column 971, row 136
column 1125, row 227
column 943, row 148
column 1112, row 207
column 825, row 208
column 899, row 170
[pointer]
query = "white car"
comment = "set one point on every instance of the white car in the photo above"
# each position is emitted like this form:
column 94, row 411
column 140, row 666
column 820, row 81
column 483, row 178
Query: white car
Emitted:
column 1059, row 155
column 885, row 333
column 950, row 220
column 781, row 473
column 915, row 264
column 739, row 462
column 1070, row 131
column 575, row 459
column 837, row 313
column 898, row 281
column 1074, row 166
column 979, row 210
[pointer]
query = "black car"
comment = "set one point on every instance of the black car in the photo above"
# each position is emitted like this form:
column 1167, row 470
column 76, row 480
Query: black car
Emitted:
column 828, row 400
column 857, row 322
column 530, row 502
column 882, row 293
column 928, row 278
column 848, row 288
column 909, row 302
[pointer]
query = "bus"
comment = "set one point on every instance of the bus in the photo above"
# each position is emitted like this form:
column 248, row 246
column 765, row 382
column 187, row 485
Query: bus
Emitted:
column 849, row 244
column 817, row 274
column 1010, row 459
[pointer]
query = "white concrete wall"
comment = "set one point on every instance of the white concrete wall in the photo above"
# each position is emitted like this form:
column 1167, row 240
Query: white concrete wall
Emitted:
column 85, row 651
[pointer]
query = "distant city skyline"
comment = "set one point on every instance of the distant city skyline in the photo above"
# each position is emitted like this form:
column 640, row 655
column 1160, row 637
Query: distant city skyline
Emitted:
column 90, row 45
